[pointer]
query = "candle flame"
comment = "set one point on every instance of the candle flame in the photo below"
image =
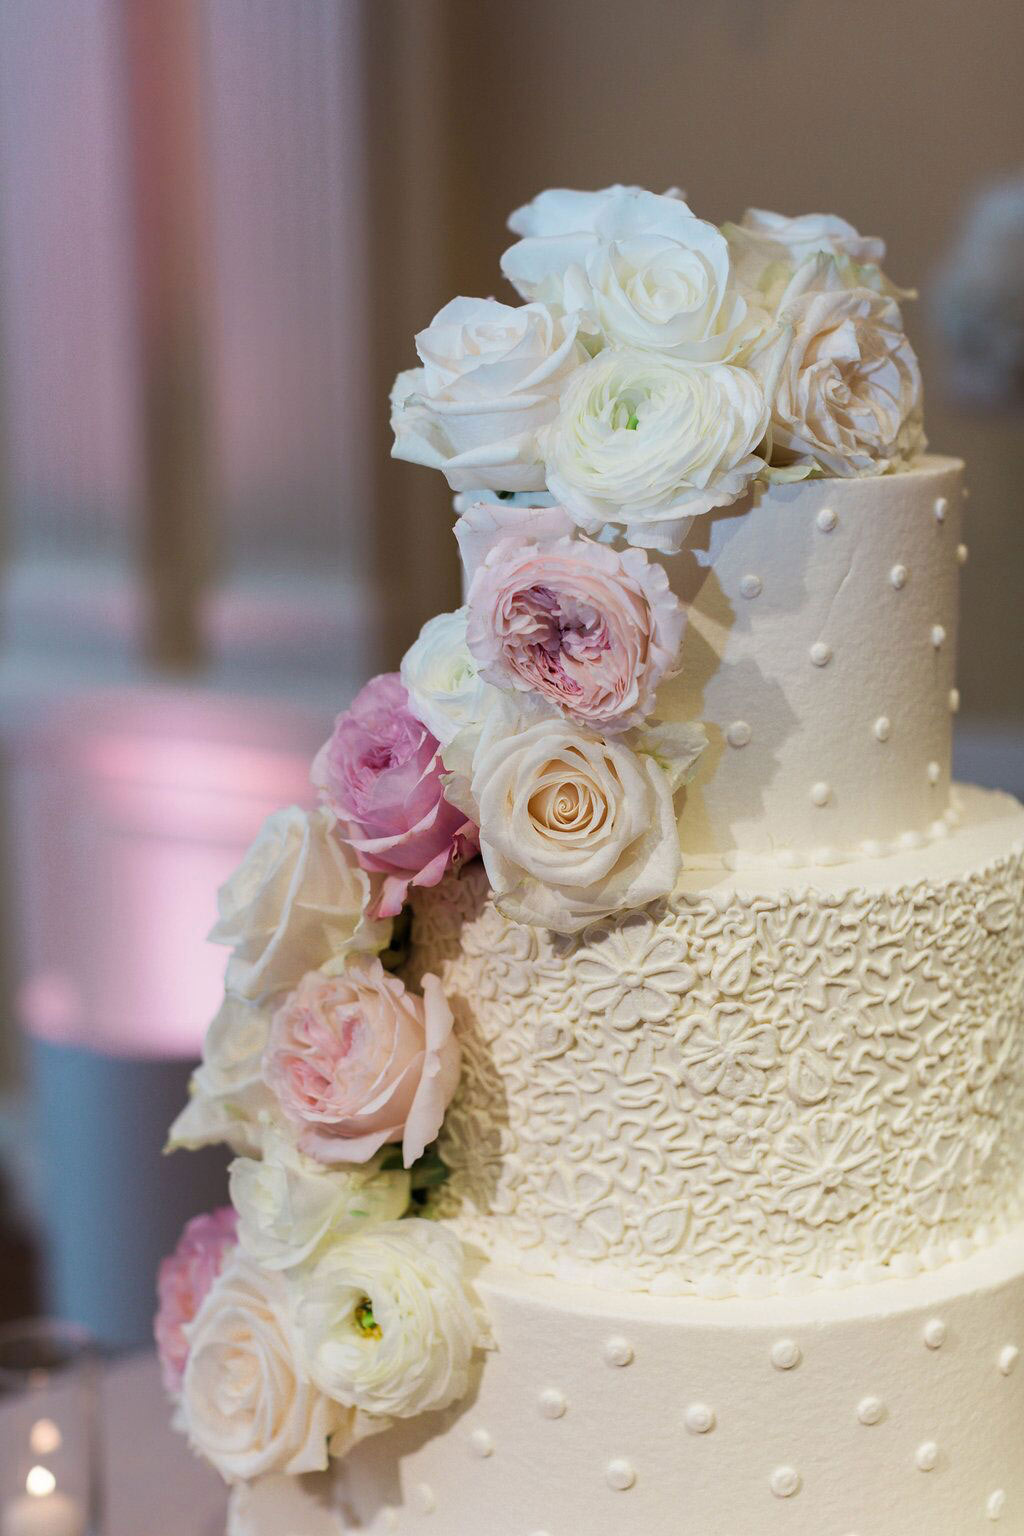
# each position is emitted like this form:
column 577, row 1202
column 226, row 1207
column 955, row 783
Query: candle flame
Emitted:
column 40, row 1482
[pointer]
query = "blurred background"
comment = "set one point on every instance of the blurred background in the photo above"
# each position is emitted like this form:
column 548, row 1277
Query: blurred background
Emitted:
column 221, row 222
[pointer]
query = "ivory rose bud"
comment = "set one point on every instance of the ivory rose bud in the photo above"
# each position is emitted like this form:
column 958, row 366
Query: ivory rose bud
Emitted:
column 247, row 1404
column 183, row 1282
column 841, row 377
column 574, row 825
column 491, row 376
column 442, row 678
column 650, row 442
column 297, row 900
column 289, row 1205
column 356, row 1061
column 386, row 1320
column 380, row 773
column 590, row 628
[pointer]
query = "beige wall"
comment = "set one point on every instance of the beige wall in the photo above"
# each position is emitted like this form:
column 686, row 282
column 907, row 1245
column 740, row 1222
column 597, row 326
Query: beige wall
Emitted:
column 890, row 112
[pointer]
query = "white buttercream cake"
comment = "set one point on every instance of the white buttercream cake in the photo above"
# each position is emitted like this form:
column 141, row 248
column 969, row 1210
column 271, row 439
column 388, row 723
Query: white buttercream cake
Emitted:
column 731, row 1148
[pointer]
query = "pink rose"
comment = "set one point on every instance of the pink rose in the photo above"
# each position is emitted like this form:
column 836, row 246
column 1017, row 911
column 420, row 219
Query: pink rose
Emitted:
column 183, row 1282
column 380, row 773
column 593, row 629
column 357, row 1061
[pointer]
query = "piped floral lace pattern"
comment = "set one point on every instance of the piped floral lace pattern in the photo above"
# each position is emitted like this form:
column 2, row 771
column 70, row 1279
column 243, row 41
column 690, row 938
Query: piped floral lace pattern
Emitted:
column 760, row 1086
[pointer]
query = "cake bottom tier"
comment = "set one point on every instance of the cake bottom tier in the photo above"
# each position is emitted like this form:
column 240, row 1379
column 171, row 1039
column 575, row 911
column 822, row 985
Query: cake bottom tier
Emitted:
column 891, row 1409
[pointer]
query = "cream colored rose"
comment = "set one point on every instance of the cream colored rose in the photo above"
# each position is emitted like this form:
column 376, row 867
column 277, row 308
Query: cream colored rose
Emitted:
column 289, row 1205
column 297, row 901
column 247, row 1404
column 491, row 377
column 574, row 825
column 228, row 1099
column 386, row 1319
column 650, row 442
column 841, row 378
column 442, row 678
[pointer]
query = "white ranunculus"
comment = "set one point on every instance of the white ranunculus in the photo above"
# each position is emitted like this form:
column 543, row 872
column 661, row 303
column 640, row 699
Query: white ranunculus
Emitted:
column 641, row 271
column 651, row 442
column 573, row 825
column 491, row 377
column 297, row 900
column 386, row 1319
column 841, row 378
column 247, row 1404
column 228, row 1099
column 442, row 679
column 288, row 1205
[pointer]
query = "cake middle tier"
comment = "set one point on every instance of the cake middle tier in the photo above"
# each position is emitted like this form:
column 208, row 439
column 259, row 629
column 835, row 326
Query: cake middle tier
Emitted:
column 770, row 1076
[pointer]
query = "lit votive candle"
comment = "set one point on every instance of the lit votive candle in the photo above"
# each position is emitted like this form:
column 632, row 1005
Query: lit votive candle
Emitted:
column 42, row 1510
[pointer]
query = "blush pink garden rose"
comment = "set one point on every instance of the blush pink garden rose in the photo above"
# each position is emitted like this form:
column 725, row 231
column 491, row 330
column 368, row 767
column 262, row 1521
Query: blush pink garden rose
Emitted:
column 184, row 1280
column 591, row 628
column 357, row 1061
column 380, row 773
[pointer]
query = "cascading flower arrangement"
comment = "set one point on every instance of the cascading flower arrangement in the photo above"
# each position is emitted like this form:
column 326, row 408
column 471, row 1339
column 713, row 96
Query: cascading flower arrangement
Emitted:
column 655, row 370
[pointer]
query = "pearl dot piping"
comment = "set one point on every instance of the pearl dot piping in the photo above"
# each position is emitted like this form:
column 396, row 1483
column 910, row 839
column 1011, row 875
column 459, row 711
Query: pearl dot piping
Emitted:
column 700, row 1419
column 619, row 1474
column 961, row 554
column 954, row 700
column 426, row 1500
column 751, row 585
column 871, row 1410
column 821, row 654
column 820, row 793
column 927, row 1456
column 995, row 1505
column 738, row 734
column 826, row 519
column 934, row 773
column 786, row 1355
column 935, row 1333
column 938, row 635
column 552, row 1404
column 883, row 725
column 940, row 509
column 1008, row 1358
column 618, row 1351
column 898, row 577
column 481, row 1443
column 785, row 1482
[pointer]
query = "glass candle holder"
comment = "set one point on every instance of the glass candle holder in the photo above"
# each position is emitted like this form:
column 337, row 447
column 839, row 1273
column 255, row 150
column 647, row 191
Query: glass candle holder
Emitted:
column 49, row 1431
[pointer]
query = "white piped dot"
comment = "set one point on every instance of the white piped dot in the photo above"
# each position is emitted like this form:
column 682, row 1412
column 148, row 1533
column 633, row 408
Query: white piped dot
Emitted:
column 934, row 773
column 935, row 1333
column 750, row 586
column 940, row 508
column 995, row 1504
column 784, row 1482
column 618, row 1351
column 1008, row 1358
column 826, row 519
column 821, row 654
column 700, row 1419
column 871, row 1410
column 820, row 793
column 927, row 1456
column 786, row 1355
column 738, row 734
column 552, row 1403
column 961, row 554
column 619, row 1474
column 938, row 635
column 954, row 700
column 389, row 1518
column 883, row 726
column 481, row 1443
column 426, row 1500
column 898, row 577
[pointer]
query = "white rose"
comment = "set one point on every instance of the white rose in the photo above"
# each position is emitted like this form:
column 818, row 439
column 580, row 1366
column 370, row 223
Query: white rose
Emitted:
column 386, row 1320
column 442, row 679
column 642, row 271
column 573, row 825
column 297, row 901
column 564, row 211
column 246, row 1404
column 228, row 1099
column 651, row 442
column 491, row 377
column 768, row 247
column 288, row 1204
column 841, row 378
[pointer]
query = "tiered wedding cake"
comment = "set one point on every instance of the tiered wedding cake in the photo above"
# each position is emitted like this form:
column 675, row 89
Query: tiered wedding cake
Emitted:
column 723, row 1151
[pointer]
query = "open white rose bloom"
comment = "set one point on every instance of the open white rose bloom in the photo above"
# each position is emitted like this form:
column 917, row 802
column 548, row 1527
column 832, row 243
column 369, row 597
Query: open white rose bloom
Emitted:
column 624, row 1064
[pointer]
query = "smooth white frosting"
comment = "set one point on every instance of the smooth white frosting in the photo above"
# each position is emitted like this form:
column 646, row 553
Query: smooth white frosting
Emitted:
column 889, row 1411
column 820, row 654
